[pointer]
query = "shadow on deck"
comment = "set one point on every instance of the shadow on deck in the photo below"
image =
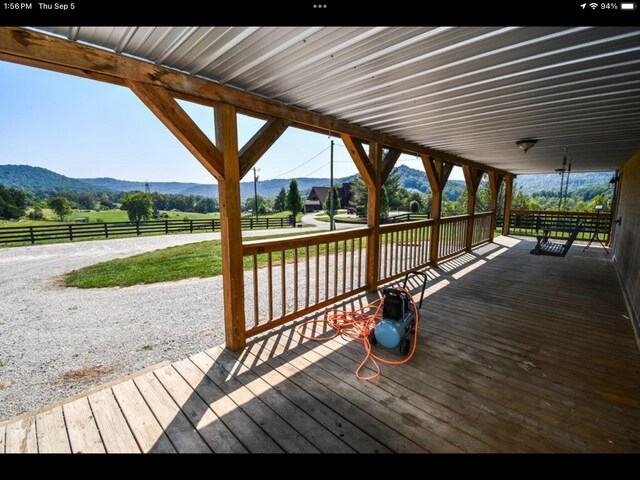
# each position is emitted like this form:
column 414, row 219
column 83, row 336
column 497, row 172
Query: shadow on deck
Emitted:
column 516, row 353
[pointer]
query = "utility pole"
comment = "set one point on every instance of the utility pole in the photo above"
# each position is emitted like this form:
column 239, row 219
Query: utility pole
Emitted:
column 332, row 222
column 255, row 189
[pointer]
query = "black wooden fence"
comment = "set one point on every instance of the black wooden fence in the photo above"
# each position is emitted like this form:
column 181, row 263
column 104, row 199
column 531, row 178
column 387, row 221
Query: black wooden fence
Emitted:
column 73, row 231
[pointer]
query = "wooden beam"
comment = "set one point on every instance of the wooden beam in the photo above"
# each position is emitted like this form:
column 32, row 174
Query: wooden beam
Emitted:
column 231, row 228
column 388, row 162
column 360, row 158
column 45, row 51
column 495, row 181
column 258, row 145
column 171, row 114
column 508, row 195
column 373, row 219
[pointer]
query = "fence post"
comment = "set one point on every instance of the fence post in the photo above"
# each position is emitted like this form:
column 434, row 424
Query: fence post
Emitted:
column 106, row 230
column 166, row 227
column 71, row 232
column 138, row 228
column 33, row 240
column 267, row 223
column 190, row 226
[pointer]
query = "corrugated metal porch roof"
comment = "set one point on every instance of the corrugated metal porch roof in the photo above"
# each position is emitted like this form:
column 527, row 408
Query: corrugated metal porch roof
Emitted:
column 470, row 91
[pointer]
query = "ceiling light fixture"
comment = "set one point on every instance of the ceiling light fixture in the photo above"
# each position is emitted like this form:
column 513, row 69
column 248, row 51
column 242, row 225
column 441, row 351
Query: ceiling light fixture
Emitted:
column 526, row 145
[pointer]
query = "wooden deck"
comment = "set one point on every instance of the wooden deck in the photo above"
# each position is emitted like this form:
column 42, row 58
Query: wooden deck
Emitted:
column 517, row 354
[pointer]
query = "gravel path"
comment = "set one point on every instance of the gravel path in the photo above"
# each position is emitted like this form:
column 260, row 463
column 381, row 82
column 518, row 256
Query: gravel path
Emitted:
column 47, row 331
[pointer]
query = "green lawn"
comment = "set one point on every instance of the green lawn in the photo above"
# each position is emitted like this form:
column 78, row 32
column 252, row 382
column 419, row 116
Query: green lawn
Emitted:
column 195, row 260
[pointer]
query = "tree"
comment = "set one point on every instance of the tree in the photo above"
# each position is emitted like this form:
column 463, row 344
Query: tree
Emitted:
column 137, row 205
column 418, row 199
column 336, row 202
column 280, row 203
column 13, row 203
column 36, row 214
column 360, row 194
column 396, row 193
column 61, row 207
column 598, row 200
column 294, row 200
column 384, row 203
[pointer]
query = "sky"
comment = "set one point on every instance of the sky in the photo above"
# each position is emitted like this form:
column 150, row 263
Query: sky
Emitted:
column 85, row 129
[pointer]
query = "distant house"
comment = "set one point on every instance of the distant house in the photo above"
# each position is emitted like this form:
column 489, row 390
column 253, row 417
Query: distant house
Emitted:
column 317, row 196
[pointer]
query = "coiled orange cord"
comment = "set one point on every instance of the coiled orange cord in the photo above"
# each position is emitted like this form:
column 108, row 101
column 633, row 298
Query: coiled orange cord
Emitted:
column 357, row 325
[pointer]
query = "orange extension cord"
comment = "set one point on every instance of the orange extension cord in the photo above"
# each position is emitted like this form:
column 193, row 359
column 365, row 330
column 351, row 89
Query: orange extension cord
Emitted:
column 357, row 325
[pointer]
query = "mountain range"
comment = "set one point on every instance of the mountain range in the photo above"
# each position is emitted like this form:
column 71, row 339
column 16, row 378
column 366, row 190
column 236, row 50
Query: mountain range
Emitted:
column 41, row 180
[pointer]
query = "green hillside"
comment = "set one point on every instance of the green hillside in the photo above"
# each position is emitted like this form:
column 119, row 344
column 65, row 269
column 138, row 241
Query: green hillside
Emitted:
column 41, row 180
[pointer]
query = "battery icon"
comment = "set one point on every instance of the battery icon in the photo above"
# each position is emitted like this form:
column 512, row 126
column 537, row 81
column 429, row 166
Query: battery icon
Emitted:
column 627, row 6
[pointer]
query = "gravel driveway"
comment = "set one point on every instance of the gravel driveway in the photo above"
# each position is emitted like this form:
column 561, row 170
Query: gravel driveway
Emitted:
column 57, row 341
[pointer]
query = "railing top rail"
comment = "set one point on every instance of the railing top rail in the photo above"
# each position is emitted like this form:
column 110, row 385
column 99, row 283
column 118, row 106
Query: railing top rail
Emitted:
column 554, row 212
column 484, row 214
column 276, row 245
column 455, row 218
column 396, row 227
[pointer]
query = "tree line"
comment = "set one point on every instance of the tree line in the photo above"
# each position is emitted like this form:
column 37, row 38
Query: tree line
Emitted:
column 394, row 197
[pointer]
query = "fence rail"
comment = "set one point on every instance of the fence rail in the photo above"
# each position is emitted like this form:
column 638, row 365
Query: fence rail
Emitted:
column 560, row 224
column 307, row 272
column 404, row 247
column 73, row 231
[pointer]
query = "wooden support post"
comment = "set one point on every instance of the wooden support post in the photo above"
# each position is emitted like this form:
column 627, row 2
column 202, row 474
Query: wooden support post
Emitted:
column 231, row 228
column 371, row 169
column 508, row 195
column 472, row 177
column 495, row 181
column 373, row 218
column 438, row 173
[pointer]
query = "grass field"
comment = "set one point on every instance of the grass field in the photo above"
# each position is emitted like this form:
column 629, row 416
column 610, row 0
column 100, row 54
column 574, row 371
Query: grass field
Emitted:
column 195, row 260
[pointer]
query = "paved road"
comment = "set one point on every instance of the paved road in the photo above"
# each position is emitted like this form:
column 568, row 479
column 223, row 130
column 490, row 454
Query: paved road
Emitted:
column 310, row 219
column 47, row 330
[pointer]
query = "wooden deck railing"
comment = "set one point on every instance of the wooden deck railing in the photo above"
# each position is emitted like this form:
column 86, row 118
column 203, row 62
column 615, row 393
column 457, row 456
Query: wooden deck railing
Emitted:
column 404, row 247
column 481, row 228
column 453, row 236
column 561, row 224
column 307, row 272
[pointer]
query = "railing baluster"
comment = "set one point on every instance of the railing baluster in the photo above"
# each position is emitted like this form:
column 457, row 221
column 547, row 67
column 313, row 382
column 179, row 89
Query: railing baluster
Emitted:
column 353, row 243
column 318, row 273
column 326, row 271
column 283, row 276
column 335, row 269
column 344, row 266
column 360, row 261
column 307, row 275
column 256, row 305
column 270, row 276
column 295, row 279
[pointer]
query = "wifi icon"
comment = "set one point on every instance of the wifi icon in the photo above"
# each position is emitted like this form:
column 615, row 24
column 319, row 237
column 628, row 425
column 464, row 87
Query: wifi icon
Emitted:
column 593, row 6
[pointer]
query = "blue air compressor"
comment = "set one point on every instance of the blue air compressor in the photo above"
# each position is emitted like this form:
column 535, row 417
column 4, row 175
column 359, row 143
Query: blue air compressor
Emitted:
column 399, row 314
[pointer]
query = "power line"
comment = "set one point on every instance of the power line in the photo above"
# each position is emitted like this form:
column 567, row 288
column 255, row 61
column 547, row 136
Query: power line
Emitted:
column 320, row 168
column 303, row 163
